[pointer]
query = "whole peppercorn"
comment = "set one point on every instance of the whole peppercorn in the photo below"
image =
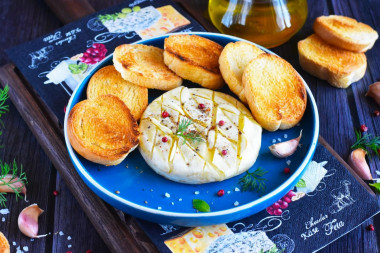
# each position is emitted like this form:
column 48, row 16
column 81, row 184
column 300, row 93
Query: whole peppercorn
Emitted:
column 376, row 113
column 370, row 227
column 363, row 128
column 220, row 193
column 286, row 170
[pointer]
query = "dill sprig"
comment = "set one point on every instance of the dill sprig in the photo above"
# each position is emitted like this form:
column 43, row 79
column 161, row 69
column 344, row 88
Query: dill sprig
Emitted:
column 183, row 132
column 253, row 181
column 3, row 98
column 17, row 175
column 367, row 143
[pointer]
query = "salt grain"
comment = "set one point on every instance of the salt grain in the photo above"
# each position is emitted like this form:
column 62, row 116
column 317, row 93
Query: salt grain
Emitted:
column 279, row 139
column 285, row 136
column 61, row 233
column 4, row 211
column 69, row 238
column 180, row 199
column 237, row 189
column 18, row 250
column 236, row 203
column 228, row 192
column 378, row 173
column 172, row 203
column 196, row 192
column 274, row 141
column 25, row 248
column 32, row 239
column 3, row 219
column 14, row 243
column 167, row 195
column 288, row 162
column 159, row 208
column 69, row 246
column 146, row 202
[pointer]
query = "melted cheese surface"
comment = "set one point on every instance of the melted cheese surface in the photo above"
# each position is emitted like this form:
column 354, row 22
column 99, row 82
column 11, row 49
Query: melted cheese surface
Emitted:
column 227, row 149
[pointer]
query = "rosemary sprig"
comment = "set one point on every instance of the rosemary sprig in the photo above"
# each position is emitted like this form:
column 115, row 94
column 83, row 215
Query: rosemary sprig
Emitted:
column 253, row 181
column 5, row 170
column 186, row 135
column 367, row 143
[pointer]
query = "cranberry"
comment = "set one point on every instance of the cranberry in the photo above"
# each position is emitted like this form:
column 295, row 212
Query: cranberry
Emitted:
column 220, row 193
column 277, row 212
column 370, row 227
column 363, row 128
column 224, row 152
column 376, row 113
column 164, row 139
column 221, row 123
column 165, row 114
column 55, row 193
column 286, row 170
column 201, row 106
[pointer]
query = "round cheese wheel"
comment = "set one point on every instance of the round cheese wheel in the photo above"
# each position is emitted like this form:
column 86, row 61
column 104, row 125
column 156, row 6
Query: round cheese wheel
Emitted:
column 198, row 136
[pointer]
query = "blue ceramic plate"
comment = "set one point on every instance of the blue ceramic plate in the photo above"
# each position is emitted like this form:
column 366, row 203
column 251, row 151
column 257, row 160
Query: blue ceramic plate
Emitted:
column 141, row 192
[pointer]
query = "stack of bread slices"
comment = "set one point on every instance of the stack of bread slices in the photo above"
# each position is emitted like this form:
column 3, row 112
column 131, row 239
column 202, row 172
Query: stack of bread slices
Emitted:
column 335, row 52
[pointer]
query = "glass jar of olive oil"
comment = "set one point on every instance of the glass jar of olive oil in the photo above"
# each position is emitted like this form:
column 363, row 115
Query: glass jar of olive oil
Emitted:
column 269, row 23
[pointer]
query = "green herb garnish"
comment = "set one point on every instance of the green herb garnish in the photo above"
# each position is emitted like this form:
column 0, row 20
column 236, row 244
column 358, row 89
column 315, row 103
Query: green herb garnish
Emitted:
column 3, row 99
column 367, row 143
column 183, row 132
column 253, row 181
column 201, row 205
column 376, row 186
column 10, row 182
column 78, row 68
column 301, row 183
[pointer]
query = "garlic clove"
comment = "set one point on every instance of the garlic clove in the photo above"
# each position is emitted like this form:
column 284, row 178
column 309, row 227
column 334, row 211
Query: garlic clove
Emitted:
column 9, row 182
column 374, row 92
column 286, row 148
column 28, row 221
column 357, row 161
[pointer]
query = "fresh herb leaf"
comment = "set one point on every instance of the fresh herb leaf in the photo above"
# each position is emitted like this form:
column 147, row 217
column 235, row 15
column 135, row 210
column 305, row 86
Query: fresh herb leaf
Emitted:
column 17, row 175
column 301, row 183
column 367, row 143
column 3, row 98
column 77, row 68
column 253, row 181
column 201, row 205
column 376, row 186
column 186, row 135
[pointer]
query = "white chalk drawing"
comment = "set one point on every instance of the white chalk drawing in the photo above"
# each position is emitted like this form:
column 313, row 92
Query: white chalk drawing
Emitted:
column 136, row 2
column 269, row 223
column 40, row 56
column 284, row 243
column 95, row 25
column 168, row 229
column 322, row 184
column 342, row 197
column 107, row 37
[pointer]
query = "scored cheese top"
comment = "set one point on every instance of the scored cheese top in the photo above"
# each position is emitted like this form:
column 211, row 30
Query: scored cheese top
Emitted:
column 231, row 137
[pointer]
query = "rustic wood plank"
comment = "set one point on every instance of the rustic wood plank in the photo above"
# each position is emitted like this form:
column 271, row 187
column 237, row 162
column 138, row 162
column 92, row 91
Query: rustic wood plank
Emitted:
column 70, row 10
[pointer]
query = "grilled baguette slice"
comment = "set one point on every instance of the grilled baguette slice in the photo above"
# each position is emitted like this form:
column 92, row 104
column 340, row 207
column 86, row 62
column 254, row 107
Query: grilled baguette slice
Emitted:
column 144, row 66
column 338, row 66
column 102, row 130
column 108, row 80
column 194, row 58
column 232, row 62
column 275, row 92
column 345, row 33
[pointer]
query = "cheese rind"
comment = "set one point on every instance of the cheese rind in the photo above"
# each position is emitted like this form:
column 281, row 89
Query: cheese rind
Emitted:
column 227, row 149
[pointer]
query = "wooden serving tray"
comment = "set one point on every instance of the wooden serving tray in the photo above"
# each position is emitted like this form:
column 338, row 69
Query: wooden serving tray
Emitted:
column 118, row 230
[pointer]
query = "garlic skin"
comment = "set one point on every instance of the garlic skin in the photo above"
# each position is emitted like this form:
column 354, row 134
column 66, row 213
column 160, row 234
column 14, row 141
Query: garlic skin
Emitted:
column 286, row 148
column 17, row 185
column 28, row 221
column 357, row 162
column 374, row 92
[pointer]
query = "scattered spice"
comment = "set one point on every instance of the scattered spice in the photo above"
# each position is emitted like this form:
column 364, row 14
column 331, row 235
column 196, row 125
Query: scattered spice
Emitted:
column 363, row 128
column 55, row 193
column 221, row 122
column 286, row 170
column 370, row 227
column 376, row 113
column 224, row 152
column 220, row 193
column 187, row 135
column 201, row 106
column 165, row 114
column 164, row 139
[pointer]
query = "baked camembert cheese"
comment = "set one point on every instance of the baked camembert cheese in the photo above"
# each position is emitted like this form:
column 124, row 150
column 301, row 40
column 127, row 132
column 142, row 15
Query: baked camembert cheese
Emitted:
column 198, row 136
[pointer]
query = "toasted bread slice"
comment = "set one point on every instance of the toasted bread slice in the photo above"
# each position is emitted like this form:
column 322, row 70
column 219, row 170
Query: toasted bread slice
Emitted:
column 144, row 66
column 275, row 92
column 338, row 66
column 102, row 130
column 108, row 80
column 194, row 58
column 345, row 33
column 232, row 62
column 4, row 244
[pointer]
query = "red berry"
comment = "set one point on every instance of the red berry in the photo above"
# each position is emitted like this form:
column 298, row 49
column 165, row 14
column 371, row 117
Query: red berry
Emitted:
column 277, row 212
column 165, row 114
column 284, row 205
column 89, row 251
column 221, row 123
column 286, row 199
column 164, row 139
column 363, row 128
column 276, row 206
column 370, row 227
column 220, row 193
column 224, row 152
column 55, row 193
column 201, row 106
column 69, row 252
column 290, row 194
column 270, row 210
column 64, row 109
column 286, row 170
column 376, row 113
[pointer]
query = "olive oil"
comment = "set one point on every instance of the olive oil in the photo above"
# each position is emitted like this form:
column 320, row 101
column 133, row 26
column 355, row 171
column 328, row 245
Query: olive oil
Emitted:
column 268, row 23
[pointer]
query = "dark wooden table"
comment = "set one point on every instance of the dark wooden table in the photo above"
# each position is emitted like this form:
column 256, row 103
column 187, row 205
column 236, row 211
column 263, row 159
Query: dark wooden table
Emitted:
column 340, row 112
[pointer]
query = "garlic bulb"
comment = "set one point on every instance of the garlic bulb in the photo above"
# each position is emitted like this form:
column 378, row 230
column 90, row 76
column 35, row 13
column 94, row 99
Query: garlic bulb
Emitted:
column 286, row 148
column 374, row 92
